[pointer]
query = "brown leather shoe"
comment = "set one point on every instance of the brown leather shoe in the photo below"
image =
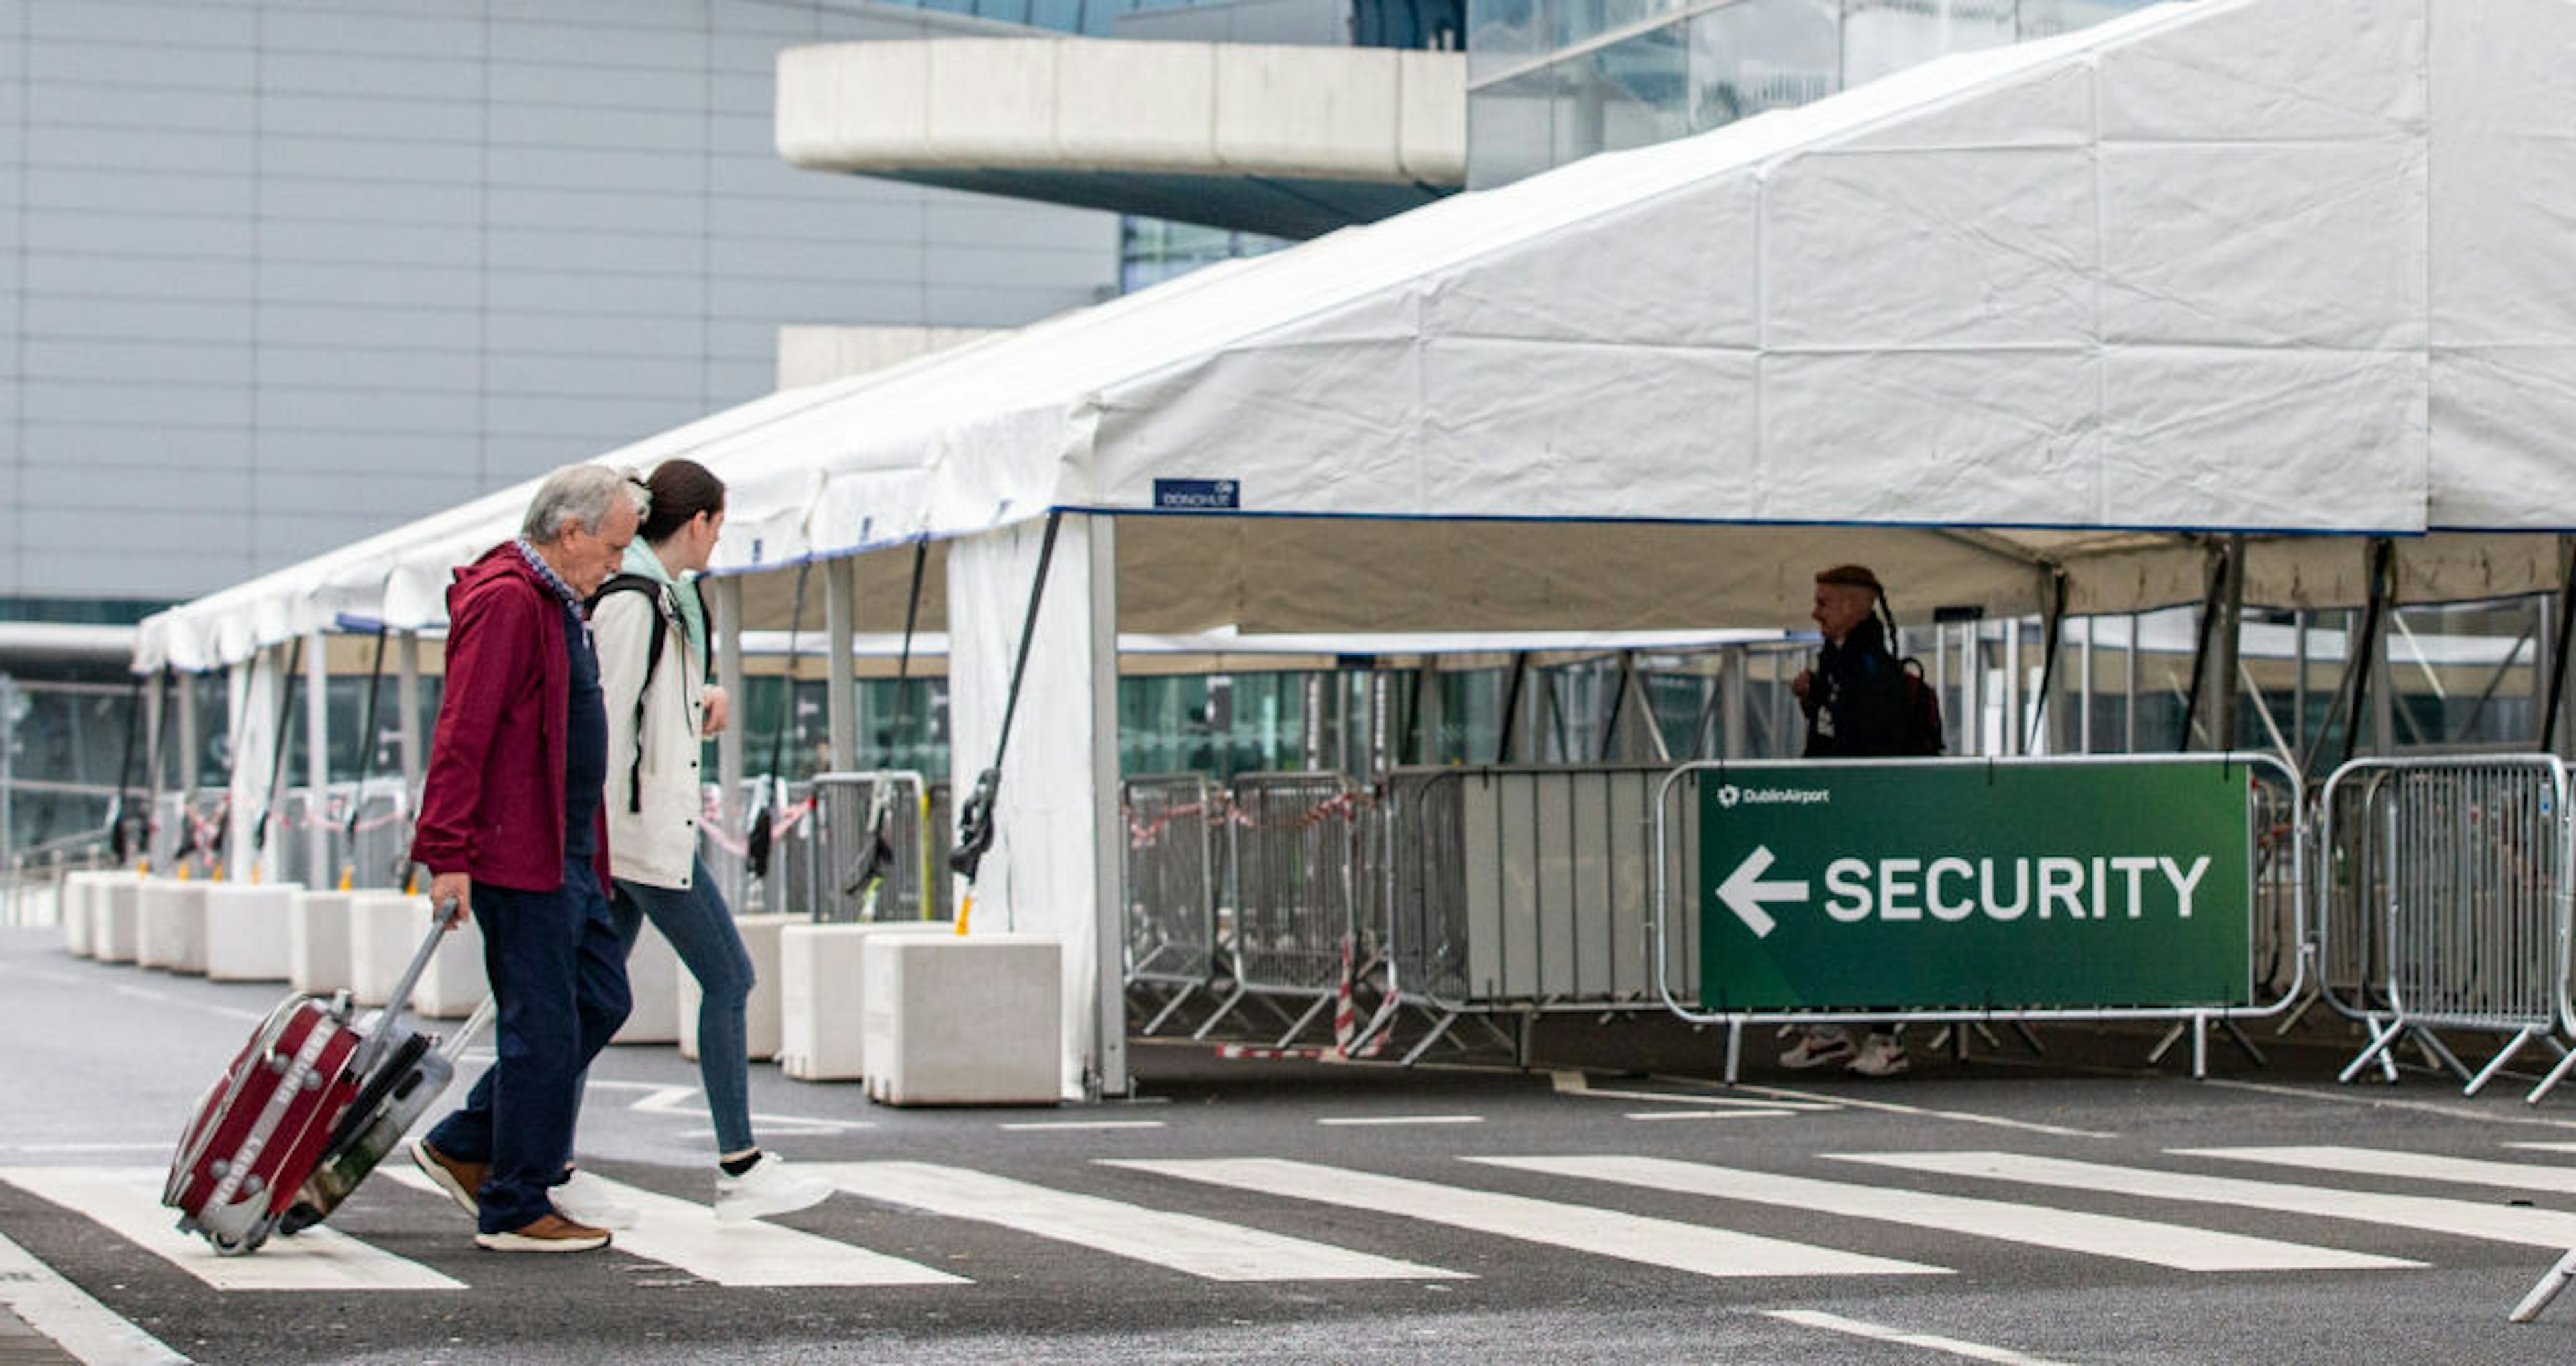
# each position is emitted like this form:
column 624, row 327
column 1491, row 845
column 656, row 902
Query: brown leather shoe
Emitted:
column 548, row 1232
column 459, row 1179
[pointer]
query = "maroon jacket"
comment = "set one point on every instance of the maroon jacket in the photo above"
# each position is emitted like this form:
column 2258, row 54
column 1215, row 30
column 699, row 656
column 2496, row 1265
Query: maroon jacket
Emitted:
column 493, row 804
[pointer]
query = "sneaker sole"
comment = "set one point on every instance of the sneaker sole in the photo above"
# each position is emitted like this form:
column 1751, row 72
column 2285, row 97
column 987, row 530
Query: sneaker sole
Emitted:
column 520, row 1242
column 746, row 1209
column 440, row 1177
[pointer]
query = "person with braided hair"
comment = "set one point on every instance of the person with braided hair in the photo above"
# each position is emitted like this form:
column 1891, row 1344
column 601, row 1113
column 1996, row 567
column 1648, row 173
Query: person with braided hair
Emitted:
column 1856, row 708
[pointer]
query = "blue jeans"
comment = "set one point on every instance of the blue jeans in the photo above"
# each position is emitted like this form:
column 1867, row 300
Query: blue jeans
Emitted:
column 558, row 975
column 700, row 927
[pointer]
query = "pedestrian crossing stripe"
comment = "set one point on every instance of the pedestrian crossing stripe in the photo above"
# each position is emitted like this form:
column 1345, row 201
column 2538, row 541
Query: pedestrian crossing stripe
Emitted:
column 94, row 1334
column 1180, row 1242
column 127, row 1201
column 2463, row 1171
column 1607, row 1233
column 685, row 1235
column 2139, row 1240
column 2430, row 1214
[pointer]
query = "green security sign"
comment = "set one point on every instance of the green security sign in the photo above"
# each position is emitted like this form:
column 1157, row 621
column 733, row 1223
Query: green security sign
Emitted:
column 1930, row 885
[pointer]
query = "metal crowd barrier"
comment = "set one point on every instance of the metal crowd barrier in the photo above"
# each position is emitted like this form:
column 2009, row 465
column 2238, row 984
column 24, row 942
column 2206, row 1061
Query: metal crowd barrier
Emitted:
column 2468, row 861
column 1523, row 890
column 847, row 807
column 795, row 882
column 375, row 859
column 1172, row 875
column 1294, row 847
column 2276, row 911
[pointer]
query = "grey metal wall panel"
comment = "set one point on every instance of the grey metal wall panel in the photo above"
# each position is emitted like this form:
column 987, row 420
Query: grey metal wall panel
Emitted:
column 83, row 188
column 394, row 76
column 315, row 267
column 143, row 21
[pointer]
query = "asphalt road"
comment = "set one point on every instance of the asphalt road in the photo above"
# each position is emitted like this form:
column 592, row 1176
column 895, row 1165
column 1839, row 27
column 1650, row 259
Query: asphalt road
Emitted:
column 1275, row 1211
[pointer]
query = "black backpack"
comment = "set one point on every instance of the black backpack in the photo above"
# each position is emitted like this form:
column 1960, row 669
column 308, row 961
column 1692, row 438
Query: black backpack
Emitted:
column 1922, row 709
column 651, row 588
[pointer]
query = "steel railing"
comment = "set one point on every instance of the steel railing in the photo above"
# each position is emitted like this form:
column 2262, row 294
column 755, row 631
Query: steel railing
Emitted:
column 1173, row 871
column 852, row 879
column 2462, row 867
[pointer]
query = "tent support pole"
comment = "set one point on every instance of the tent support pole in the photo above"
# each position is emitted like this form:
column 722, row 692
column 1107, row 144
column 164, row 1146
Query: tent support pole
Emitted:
column 728, row 642
column 840, row 688
column 1108, row 1070
column 2226, row 647
column 317, row 761
column 407, row 726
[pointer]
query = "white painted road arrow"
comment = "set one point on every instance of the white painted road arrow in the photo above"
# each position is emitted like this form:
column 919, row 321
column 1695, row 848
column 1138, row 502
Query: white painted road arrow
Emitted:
column 1744, row 892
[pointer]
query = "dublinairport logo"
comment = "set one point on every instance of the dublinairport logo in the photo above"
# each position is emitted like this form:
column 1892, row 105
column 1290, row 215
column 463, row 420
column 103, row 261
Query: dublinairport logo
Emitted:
column 1729, row 796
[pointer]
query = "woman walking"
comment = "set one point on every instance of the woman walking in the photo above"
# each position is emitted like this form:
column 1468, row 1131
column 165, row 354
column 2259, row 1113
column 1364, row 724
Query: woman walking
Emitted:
column 651, row 632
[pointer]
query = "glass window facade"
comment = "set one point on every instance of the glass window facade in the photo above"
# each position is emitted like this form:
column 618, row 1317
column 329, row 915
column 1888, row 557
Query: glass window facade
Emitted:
column 1553, row 81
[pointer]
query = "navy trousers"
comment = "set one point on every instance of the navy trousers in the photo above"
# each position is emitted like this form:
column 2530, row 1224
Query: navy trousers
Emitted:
column 558, row 973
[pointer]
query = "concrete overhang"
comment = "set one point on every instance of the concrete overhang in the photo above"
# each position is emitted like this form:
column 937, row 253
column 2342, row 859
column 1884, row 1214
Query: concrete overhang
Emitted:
column 1288, row 141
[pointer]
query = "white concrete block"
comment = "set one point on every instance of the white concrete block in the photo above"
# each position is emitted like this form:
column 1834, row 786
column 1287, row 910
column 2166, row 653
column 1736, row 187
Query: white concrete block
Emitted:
column 760, row 1012
column 317, row 941
column 171, row 932
column 822, row 1020
column 83, row 894
column 248, row 927
column 971, row 1021
column 385, row 930
column 116, row 910
column 653, row 982
column 453, row 983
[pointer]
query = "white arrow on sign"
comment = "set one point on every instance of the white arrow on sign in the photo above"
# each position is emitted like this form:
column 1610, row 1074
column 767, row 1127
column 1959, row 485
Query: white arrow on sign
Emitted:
column 1744, row 892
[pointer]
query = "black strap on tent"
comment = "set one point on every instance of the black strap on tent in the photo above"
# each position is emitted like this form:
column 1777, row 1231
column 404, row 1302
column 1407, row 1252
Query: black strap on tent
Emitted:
column 2558, row 661
column 975, row 820
column 2359, row 655
column 876, row 859
column 1618, row 703
column 277, row 752
column 121, row 836
column 366, row 764
column 755, row 843
column 1507, row 732
column 2054, row 637
column 2220, row 567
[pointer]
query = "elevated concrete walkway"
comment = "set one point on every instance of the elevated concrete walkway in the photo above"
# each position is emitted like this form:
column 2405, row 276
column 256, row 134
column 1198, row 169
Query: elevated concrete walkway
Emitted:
column 1287, row 141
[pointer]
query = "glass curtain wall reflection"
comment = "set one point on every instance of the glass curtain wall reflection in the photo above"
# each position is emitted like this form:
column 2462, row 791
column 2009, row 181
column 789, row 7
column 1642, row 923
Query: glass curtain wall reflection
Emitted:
column 1552, row 81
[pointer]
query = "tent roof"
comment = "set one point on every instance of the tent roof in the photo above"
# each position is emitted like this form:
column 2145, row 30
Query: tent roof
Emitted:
column 2065, row 304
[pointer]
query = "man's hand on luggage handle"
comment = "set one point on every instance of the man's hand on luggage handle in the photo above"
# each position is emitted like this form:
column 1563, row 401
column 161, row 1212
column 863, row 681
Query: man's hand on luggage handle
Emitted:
column 453, row 895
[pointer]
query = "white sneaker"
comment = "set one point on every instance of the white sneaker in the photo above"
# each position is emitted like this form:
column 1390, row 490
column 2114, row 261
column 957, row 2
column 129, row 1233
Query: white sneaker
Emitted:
column 768, row 1188
column 1817, row 1046
column 585, row 1199
column 1880, row 1056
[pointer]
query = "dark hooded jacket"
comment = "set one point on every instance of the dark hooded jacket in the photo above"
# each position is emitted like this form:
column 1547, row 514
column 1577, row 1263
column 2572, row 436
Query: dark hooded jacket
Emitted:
column 492, row 806
column 1856, row 702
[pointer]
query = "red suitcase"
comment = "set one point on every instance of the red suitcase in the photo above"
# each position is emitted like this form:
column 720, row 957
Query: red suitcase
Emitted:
column 261, row 1131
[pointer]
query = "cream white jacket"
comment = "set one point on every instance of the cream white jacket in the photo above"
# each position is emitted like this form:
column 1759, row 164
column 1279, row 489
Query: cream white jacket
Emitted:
column 652, row 810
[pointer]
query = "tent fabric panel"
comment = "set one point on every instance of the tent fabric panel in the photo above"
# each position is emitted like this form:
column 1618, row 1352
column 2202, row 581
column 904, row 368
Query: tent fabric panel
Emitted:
column 2227, row 438
column 1932, row 437
column 2504, row 415
column 2299, row 70
column 2504, row 221
column 1999, row 248
column 1679, row 278
column 2273, row 244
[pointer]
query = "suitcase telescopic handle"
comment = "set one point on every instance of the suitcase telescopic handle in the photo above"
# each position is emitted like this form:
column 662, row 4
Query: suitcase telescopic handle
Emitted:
column 373, row 1049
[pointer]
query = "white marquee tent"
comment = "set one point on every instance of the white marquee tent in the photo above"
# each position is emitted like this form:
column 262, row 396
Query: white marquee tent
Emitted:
column 2290, row 269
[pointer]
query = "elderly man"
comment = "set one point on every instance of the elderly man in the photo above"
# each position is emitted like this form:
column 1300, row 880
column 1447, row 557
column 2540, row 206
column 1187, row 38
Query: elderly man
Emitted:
column 512, row 833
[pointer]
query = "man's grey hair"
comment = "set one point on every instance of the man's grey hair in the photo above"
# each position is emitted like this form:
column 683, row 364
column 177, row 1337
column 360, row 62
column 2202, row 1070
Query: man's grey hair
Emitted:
column 580, row 493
